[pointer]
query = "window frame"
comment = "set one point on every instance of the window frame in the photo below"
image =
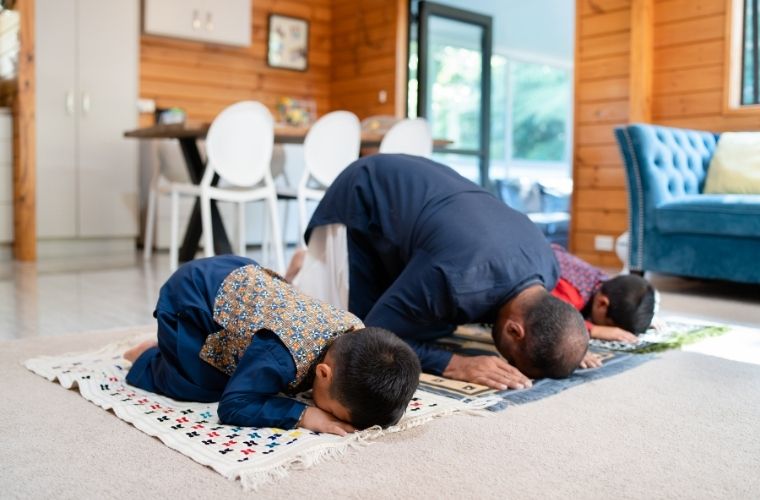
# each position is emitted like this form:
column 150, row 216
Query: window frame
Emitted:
column 547, row 167
column 732, row 101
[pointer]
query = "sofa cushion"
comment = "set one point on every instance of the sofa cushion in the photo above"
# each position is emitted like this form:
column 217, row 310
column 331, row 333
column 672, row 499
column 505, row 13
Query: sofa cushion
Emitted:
column 735, row 166
column 716, row 214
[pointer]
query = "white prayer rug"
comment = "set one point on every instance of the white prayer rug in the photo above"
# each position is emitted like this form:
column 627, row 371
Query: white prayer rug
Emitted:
column 256, row 456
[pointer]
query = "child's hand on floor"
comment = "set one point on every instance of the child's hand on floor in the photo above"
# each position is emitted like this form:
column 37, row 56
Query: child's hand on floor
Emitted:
column 612, row 333
column 591, row 360
column 319, row 420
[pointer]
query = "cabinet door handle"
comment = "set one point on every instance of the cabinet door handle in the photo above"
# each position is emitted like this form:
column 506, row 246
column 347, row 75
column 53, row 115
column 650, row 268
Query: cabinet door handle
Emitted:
column 85, row 103
column 196, row 19
column 209, row 22
column 69, row 103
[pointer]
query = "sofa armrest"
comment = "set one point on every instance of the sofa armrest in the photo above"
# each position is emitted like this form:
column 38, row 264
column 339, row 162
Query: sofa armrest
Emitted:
column 662, row 164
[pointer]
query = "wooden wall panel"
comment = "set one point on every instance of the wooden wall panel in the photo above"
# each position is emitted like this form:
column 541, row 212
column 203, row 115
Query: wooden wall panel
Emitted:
column 604, row 67
column 602, row 133
column 600, row 177
column 204, row 78
column 601, row 112
column 692, row 55
column 689, row 31
column 357, row 48
column 690, row 77
column 691, row 104
column 679, row 10
column 606, row 22
column 680, row 81
column 602, row 77
column 595, row 7
column 369, row 56
column 602, row 89
column 603, row 46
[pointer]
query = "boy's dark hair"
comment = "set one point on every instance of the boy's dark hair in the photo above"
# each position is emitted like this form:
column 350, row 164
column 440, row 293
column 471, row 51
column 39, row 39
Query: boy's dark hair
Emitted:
column 375, row 376
column 631, row 302
column 556, row 338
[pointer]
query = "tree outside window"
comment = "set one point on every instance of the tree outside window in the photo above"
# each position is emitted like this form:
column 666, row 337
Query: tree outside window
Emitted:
column 531, row 111
column 750, row 89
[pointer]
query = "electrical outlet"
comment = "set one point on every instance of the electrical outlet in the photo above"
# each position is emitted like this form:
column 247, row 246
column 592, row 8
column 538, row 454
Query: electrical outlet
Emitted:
column 604, row 243
column 382, row 97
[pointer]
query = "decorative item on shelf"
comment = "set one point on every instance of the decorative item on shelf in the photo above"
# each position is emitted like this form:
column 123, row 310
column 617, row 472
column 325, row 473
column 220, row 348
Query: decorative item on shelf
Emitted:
column 379, row 124
column 296, row 112
column 288, row 42
column 166, row 116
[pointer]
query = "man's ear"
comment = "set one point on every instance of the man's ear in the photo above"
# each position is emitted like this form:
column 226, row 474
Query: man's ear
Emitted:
column 323, row 371
column 514, row 329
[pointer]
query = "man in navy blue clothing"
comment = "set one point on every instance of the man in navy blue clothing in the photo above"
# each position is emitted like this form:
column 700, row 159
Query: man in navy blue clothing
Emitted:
column 429, row 250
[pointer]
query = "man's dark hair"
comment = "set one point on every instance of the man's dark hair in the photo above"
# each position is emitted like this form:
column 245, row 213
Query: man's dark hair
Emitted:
column 556, row 338
column 631, row 302
column 375, row 376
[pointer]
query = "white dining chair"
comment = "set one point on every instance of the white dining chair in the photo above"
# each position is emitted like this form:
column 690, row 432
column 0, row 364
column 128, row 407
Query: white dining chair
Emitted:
column 411, row 136
column 168, row 168
column 239, row 149
column 331, row 144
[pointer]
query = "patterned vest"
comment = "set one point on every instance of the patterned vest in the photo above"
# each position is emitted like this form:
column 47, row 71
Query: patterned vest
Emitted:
column 586, row 278
column 253, row 298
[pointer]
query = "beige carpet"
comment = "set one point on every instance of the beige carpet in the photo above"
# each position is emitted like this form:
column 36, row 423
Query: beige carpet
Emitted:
column 682, row 426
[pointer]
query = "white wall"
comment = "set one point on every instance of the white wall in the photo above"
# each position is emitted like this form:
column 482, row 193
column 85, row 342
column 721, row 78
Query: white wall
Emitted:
column 542, row 27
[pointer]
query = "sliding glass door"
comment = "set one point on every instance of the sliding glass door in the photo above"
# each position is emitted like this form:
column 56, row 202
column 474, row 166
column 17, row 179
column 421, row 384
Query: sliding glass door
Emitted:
column 454, row 85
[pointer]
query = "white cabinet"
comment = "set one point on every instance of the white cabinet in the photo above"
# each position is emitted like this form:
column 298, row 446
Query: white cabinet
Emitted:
column 87, row 56
column 6, row 176
column 218, row 21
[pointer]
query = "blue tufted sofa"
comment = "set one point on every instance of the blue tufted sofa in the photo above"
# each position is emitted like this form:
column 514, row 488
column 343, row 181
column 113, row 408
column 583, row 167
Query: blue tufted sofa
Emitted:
column 674, row 227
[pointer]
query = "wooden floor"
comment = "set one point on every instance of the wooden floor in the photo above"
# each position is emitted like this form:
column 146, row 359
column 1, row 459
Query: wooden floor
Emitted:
column 55, row 297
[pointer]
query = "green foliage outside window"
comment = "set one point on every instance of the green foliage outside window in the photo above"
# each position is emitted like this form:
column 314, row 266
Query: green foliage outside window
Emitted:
column 540, row 112
column 750, row 91
column 456, row 95
column 540, row 104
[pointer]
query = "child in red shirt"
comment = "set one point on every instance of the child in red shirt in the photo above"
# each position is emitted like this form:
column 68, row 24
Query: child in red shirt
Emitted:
column 614, row 309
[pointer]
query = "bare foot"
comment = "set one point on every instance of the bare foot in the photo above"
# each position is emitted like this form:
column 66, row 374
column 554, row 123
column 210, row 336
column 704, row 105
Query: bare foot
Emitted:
column 136, row 351
column 295, row 265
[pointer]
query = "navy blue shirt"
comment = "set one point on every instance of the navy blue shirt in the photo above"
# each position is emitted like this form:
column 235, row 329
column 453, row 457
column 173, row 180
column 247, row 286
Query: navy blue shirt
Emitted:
column 185, row 318
column 429, row 250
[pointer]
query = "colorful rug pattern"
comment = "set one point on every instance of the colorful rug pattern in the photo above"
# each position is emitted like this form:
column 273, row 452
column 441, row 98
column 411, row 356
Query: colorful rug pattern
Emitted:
column 256, row 456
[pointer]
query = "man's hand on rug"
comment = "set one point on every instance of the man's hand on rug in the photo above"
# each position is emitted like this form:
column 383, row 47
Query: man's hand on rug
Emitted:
column 591, row 360
column 491, row 371
column 318, row 420
column 612, row 333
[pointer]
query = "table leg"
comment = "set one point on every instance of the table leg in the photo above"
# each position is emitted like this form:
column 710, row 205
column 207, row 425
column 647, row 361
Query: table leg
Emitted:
column 196, row 167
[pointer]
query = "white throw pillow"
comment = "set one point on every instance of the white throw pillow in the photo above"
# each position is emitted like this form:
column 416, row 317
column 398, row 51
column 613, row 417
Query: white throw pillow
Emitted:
column 735, row 165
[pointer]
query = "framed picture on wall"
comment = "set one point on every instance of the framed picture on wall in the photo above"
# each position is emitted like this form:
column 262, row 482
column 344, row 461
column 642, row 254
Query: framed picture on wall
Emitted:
column 288, row 42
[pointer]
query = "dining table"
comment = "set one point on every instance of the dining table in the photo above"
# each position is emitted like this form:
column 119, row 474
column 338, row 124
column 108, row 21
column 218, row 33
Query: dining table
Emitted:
column 189, row 134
